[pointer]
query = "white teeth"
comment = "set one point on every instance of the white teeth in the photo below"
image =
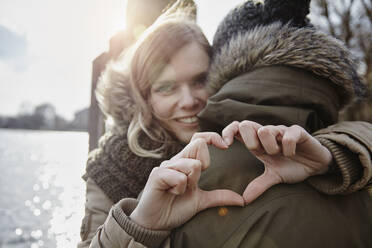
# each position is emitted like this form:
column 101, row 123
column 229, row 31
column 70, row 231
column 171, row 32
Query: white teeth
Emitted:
column 188, row 120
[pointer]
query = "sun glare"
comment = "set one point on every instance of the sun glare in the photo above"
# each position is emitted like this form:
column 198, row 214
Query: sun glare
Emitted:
column 117, row 23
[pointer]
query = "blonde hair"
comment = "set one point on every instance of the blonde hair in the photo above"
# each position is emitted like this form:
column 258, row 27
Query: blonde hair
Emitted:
column 124, row 87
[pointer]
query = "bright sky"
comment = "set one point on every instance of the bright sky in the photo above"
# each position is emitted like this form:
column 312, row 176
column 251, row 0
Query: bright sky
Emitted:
column 47, row 48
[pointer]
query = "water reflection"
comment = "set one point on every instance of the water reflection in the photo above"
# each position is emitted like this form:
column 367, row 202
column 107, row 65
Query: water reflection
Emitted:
column 41, row 190
column 18, row 231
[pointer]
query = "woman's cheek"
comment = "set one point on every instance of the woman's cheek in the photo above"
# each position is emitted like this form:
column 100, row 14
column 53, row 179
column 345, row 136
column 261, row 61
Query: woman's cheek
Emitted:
column 162, row 106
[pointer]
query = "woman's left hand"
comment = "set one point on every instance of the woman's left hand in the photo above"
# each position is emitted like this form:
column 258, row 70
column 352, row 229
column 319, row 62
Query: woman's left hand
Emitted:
column 289, row 154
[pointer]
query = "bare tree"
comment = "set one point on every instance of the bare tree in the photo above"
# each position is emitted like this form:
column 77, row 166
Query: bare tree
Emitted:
column 351, row 22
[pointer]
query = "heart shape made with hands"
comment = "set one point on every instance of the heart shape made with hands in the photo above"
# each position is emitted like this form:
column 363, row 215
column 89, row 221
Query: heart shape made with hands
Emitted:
column 289, row 154
column 172, row 194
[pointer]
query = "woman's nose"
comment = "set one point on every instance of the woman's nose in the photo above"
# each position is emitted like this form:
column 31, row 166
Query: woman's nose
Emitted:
column 188, row 98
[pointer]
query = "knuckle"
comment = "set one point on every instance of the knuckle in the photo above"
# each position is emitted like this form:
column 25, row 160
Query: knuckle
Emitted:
column 155, row 171
column 213, row 135
column 192, row 165
column 195, row 168
column 272, row 129
column 163, row 164
column 288, row 141
column 182, row 179
column 263, row 131
column 199, row 141
column 244, row 124
column 197, row 165
column 231, row 127
column 226, row 131
column 296, row 127
column 195, row 135
column 192, row 168
column 234, row 123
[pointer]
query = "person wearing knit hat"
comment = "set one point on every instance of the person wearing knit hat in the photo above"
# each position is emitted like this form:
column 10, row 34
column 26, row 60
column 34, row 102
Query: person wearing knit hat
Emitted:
column 272, row 67
column 113, row 180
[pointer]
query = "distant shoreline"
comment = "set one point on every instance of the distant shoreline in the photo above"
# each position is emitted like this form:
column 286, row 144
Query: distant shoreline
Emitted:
column 40, row 130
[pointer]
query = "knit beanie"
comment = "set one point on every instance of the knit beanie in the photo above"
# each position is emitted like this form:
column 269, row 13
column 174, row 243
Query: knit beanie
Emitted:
column 253, row 14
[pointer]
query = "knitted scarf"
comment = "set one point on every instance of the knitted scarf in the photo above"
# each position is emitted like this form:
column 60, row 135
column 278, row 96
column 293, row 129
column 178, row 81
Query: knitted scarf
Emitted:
column 117, row 170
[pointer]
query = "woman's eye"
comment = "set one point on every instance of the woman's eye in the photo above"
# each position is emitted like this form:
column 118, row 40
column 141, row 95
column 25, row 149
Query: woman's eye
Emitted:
column 200, row 83
column 165, row 88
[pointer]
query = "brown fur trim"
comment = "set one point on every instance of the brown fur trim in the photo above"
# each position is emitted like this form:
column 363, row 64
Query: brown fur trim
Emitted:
column 114, row 95
column 278, row 44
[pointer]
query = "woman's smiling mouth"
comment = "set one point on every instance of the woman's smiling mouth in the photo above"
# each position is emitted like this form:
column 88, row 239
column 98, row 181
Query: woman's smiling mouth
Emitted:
column 188, row 120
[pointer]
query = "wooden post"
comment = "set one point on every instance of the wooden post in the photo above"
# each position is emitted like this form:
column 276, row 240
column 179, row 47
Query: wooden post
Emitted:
column 95, row 125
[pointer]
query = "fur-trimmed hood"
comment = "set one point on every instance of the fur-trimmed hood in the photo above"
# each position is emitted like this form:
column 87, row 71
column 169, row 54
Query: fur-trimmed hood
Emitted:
column 278, row 44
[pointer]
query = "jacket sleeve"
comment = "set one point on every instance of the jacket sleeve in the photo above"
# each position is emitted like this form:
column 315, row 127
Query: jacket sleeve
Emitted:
column 108, row 225
column 351, row 146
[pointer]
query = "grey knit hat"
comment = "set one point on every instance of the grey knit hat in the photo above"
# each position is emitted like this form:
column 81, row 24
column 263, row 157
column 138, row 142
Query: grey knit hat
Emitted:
column 253, row 14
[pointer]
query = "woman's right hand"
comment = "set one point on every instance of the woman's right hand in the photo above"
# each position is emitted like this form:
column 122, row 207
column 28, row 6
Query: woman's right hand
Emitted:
column 172, row 196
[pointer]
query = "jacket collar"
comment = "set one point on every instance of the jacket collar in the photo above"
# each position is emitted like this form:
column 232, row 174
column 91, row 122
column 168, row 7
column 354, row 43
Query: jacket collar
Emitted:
column 274, row 95
column 277, row 44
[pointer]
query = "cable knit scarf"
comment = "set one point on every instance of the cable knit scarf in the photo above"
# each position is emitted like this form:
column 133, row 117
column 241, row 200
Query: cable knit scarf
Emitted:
column 117, row 170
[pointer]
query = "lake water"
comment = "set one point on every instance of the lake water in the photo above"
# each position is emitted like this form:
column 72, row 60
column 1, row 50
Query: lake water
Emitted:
column 41, row 190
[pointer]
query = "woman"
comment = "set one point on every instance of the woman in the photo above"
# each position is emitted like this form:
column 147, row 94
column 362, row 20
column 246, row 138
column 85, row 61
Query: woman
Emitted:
column 161, row 88
column 153, row 97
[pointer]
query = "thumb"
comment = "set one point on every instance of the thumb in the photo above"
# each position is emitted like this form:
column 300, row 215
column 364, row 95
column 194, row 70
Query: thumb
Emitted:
column 219, row 197
column 258, row 186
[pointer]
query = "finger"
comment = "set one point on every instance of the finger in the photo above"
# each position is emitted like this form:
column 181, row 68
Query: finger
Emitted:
column 196, row 149
column 164, row 179
column 190, row 167
column 211, row 138
column 248, row 131
column 268, row 137
column 258, row 186
column 230, row 131
column 220, row 197
column 291, row 137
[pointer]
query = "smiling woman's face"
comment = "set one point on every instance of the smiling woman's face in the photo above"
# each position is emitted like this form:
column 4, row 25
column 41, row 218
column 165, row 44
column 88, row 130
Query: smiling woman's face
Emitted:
column 179, row 93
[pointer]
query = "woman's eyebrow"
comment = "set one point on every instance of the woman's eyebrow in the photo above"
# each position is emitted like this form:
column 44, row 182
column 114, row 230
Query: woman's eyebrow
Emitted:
column 163, row 82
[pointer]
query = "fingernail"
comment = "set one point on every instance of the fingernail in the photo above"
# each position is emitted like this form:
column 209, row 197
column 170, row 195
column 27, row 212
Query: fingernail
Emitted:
column 224, row 144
